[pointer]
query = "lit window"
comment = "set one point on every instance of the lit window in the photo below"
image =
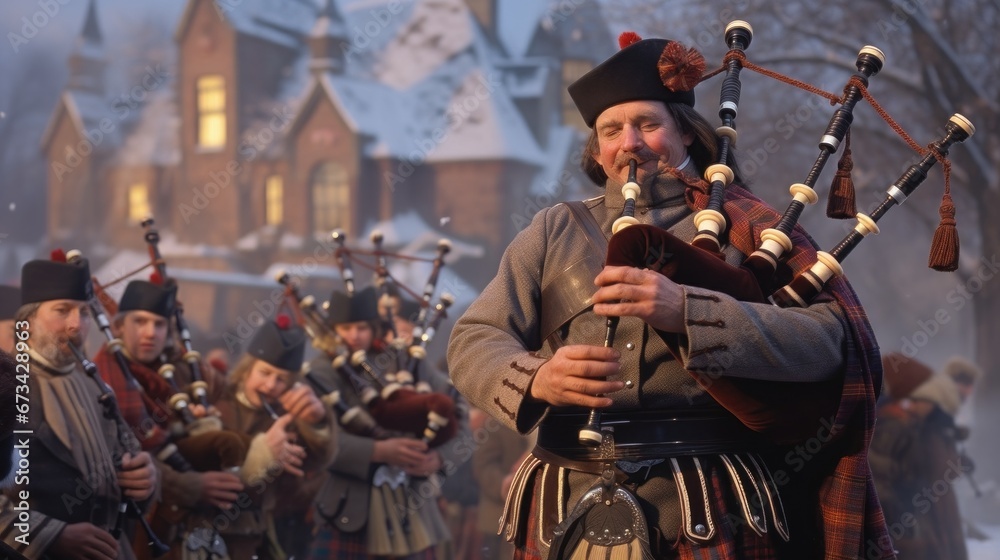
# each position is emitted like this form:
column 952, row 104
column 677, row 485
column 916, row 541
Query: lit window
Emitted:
column 138, row 202
column 572, row 70
column 330, row 198
column 273, row 199
column 211, row 111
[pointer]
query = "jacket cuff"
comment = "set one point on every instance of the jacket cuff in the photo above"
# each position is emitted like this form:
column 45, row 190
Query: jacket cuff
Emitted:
column 512, row 396
column 259, row 460
column 704, row 346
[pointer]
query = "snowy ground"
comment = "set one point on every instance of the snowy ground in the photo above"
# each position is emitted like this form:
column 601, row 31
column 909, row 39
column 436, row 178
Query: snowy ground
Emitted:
column 988, row 549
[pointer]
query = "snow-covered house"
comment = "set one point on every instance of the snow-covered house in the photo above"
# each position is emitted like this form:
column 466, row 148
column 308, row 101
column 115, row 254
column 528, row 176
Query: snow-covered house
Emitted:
column 285, row 119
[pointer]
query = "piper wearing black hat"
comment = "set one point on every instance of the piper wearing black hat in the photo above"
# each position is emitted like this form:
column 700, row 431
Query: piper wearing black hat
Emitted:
column 141, row 295
column 143, row 324
column 343, row 308
column 73, row 443
column 531, row 352
column 280, row 345
column 358, row 513
column 265, row 381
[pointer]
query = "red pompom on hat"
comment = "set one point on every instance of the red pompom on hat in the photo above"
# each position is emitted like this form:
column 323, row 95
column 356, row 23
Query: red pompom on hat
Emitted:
column 58, row 255
column 628, row 38
column 283, row 321
column 155, row 278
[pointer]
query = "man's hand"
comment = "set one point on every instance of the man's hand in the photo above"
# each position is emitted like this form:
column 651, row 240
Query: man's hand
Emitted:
column 429, row 464
column 302, row 403
column 137, row 478
column 625, row 291
column 84, row 541
column 575, row 376
column 220, row 489
column 401, row 452
column 279, row 441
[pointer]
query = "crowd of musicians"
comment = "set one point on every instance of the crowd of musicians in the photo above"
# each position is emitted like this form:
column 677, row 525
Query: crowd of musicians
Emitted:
column 278, row 457
column 729, row 412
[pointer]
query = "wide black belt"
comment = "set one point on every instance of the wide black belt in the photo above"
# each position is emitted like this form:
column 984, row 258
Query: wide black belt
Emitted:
column 648, row 434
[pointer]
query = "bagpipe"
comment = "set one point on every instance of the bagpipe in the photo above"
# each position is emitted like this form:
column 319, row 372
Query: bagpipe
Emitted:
column 390, row 398
column 787, row 411
column 202, row 445
column 127, row 507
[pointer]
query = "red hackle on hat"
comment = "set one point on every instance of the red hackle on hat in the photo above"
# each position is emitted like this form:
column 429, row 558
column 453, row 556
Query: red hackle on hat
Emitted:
column 628, row 38
column 283, row 321
column 58, row 255
column 155, row 278
column 680, row 67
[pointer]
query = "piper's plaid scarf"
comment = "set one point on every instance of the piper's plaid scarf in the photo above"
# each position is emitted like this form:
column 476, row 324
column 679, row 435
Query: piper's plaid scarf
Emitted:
column 853, row 522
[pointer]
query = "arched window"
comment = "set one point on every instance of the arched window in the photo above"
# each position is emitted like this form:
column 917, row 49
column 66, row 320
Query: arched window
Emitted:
column 331, row 198
column 274, row 192
column 211, row 102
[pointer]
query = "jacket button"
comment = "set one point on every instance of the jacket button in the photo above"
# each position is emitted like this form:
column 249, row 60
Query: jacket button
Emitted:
column 628, row 384
column 345, row 520
column 700, row 529
column 630, row 346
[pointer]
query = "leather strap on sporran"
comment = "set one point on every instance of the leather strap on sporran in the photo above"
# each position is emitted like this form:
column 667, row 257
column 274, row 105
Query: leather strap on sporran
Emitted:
column 607, row 522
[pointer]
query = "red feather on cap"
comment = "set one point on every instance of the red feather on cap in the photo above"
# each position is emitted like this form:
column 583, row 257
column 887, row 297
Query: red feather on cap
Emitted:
column 155, row 278
column 58, row 255
column 628, row 38
column 283, row 321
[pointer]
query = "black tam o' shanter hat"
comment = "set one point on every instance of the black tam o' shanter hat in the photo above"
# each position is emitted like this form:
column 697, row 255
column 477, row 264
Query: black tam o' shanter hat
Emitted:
column 408, row 309
column 10, row 302
column 644, row 69
column 342, row 308
column 141, row 295
column 55, row 279
column 280, row 344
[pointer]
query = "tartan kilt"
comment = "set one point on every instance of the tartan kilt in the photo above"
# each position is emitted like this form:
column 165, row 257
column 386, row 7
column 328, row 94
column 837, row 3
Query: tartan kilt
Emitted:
column 332, row 544
column 736, row 543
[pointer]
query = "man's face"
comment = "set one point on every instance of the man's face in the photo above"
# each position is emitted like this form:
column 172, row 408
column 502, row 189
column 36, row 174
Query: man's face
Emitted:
column 265, row 381
column 640, row 130
column 54, row 325
column 144, row 335
column 357, row 336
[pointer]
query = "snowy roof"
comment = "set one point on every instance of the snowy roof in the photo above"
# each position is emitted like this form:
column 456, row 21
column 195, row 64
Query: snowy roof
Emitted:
column 482, row 127
column 525, row 78
column 86, row 110
column 155, row 138
column 563, row 143
column 282, row 22
column 516, row 22
column 264, row 237
column 436, row 31
column 408, row 233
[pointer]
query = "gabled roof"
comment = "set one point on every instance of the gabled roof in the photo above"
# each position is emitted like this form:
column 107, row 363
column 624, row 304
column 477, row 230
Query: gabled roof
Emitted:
column 282, row 22
column 514, row 34
column 434, row 93
column 85, row 110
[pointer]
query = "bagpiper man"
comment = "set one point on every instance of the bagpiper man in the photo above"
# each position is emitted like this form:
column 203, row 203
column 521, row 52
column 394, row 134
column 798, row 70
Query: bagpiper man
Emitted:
column 143, row 325
column 380, row 500
column 682, row 476
column 75, row 488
